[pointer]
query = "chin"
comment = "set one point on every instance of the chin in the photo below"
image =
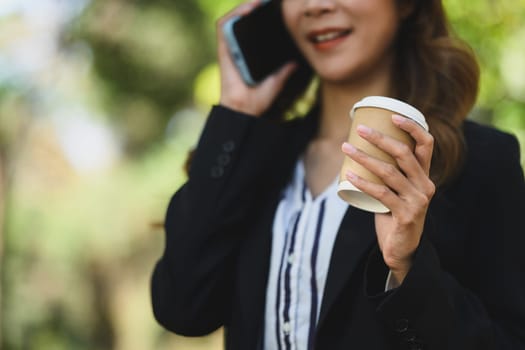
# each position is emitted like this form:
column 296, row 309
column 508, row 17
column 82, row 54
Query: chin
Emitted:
column 345, row 73
column 337, row 76
column 336, row 69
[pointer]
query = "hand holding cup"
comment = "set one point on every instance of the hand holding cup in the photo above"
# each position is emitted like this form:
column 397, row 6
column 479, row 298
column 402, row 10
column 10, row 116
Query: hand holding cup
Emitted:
column 374, row 113
column 399, row 190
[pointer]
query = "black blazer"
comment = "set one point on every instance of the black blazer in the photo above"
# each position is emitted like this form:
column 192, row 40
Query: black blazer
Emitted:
column 466, row 288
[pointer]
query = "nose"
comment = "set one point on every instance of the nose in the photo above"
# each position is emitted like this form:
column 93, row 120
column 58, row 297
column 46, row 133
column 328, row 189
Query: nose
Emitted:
column 314, row 8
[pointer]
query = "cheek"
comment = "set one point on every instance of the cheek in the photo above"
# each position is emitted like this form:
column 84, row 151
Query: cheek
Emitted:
column 380, row 15
column 290, row 19
column 382, row 30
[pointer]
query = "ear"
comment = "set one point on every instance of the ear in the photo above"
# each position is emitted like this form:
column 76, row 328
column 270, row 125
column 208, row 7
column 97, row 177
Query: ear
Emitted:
column 406, row 8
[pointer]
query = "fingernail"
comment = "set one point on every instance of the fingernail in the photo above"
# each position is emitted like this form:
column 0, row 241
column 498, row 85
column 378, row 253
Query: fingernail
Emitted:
column 348, row 148
column 364, row 130
column 351, row 175
column 398, row 119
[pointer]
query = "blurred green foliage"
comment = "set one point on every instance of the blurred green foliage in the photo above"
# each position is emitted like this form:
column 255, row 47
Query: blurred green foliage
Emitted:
column 147, row 54
column 79, row 248
column 496, row 32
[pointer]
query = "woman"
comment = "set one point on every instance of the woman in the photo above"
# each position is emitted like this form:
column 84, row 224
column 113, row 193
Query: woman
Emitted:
column 258, row 241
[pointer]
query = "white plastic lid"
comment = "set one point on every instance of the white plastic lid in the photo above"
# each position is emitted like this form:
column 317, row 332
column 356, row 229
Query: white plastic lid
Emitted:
column 393, row 105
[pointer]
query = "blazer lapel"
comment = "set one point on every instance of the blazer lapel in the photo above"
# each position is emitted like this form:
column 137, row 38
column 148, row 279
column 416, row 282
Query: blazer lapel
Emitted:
column 355, row 237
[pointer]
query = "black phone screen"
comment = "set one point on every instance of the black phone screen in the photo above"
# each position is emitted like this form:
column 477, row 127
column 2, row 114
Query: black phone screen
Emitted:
column 264, row 40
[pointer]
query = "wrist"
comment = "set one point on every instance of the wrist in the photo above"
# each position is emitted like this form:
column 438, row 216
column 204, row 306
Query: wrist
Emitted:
column 398, row 276
column 240, row 105
column 399, row 270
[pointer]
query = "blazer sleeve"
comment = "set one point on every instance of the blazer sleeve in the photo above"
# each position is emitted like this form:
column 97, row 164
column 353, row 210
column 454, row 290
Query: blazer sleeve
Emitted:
column 192, row 283
column 434, row 310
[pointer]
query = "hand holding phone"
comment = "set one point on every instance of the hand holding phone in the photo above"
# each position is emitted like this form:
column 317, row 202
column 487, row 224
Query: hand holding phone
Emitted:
column 259, row 42
column 255, row 95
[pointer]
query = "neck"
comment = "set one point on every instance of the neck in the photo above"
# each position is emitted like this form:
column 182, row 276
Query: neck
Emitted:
column 337, row 99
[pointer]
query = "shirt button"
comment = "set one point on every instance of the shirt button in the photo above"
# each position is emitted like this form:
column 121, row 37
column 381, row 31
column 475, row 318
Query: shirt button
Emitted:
column 286, row 327
column 291, row 258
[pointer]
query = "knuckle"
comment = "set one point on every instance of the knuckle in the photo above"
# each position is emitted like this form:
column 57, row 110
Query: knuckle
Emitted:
column 428, row 140
column 405, row 219
column 431, row 189
column 383, row 192
column 389, row 170
column 361, row 155
column 403, row 151
column 377, row 136
column 422, row 200
column 358, row 155
column 420, row 203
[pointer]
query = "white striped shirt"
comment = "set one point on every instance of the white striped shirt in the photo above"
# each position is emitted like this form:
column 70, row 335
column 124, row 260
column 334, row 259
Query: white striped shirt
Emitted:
column 304, row 232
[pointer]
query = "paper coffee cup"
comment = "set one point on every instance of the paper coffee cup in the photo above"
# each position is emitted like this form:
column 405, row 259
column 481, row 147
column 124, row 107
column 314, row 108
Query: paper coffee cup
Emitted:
column 376, row 113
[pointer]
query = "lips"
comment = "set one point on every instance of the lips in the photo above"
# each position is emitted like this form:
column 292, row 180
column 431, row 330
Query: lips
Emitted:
column 325, row 35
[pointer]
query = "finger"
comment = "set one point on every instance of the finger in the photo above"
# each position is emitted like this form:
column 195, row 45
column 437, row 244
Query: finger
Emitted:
column 380, row 192
column 225, row 60
column 424, row 140
column 403, row 210
column 276, row 81
column 402, row 153
column 388, row 173
column 238, row 11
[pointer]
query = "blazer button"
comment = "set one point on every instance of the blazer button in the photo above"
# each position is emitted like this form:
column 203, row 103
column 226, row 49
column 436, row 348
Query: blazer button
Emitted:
column 228, row 146
column 217, row 171
column 401, row 325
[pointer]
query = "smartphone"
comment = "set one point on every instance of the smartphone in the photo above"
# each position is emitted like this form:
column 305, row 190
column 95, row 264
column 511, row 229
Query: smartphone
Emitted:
column 259, row 42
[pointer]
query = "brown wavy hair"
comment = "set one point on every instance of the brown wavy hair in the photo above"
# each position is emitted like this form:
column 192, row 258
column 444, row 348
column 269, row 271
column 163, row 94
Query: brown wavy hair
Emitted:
column 438, row 73
column 434, row 71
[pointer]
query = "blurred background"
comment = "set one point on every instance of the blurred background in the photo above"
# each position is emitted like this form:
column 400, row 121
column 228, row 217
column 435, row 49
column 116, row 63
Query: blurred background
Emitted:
column 100, row 102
